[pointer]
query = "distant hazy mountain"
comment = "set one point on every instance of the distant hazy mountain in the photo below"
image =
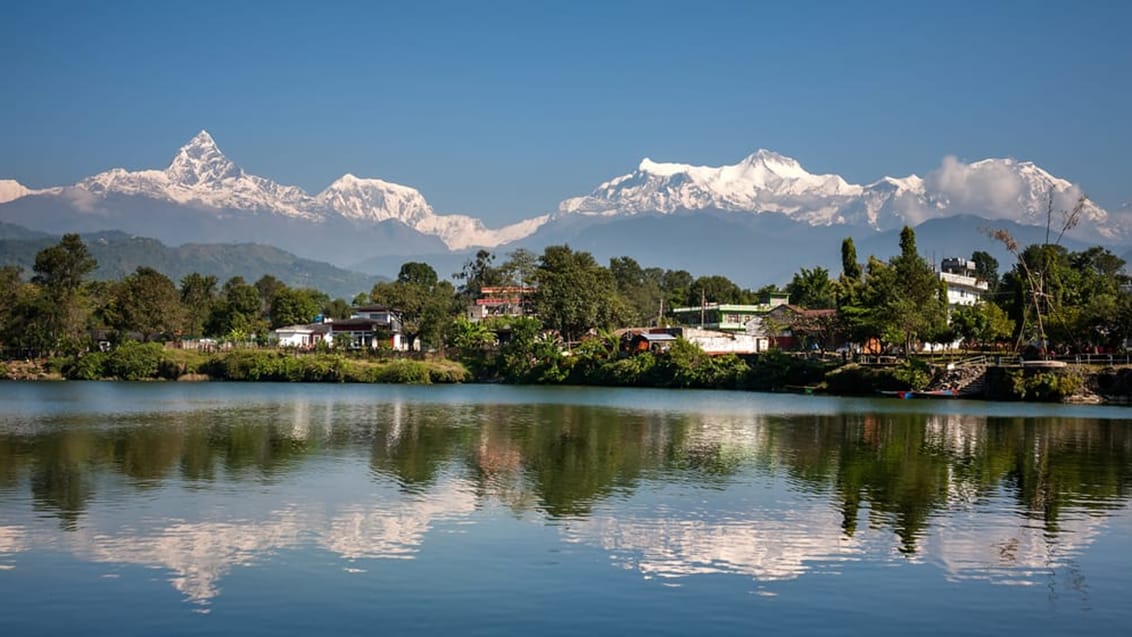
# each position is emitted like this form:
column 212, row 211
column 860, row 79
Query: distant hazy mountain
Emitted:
column 12, row 231
column 119, row 254
column 753, row 220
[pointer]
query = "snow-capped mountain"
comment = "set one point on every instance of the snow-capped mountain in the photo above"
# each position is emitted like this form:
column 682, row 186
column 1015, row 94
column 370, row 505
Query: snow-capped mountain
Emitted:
column 201, row 176
column 377, row 200
column 202, row 196
column 11, row 189
column 763, row 182
column 769, row 182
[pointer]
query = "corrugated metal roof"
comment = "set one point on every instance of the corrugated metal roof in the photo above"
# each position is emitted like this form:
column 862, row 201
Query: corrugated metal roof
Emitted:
column 658, row 337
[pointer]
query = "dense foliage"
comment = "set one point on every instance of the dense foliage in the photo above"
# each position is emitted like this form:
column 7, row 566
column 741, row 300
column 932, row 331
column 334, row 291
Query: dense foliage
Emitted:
column 569, row 304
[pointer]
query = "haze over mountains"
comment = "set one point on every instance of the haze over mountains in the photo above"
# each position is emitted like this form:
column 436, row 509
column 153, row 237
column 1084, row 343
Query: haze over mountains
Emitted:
column 754, row 220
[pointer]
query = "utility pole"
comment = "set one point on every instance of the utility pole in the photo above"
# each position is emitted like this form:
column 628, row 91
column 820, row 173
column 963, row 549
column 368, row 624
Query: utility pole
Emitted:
column 703, row 306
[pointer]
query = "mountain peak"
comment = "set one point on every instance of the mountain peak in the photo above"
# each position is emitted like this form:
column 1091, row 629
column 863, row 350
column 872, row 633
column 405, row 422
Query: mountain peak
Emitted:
column 201, row 162
column 10, row 189
column 763, row 155
column 203, row 138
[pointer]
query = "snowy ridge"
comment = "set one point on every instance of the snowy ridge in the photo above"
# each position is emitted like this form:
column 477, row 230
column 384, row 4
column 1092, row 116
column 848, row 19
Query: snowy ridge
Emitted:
column 768, row 182
column 765, row 182
column 11, row 189
column 201, row 175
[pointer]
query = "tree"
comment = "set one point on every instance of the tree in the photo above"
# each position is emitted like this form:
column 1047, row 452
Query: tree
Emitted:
column 982, row 323
column 146, row 302
column 639, row 290
column 850, row 268
column 268, row 286
column 337, row 309
column 520, row 267
column 63, row 268
column 425, row 304
column 677, row 285
column 479, row 273
column 715, row 289
column 11, row 285
column 198, row 295
column 63, row 311
column 238, row 311
column 812, row 289
column 917, row 306
column 575, row 293
column 293, row 307
column 986, row 269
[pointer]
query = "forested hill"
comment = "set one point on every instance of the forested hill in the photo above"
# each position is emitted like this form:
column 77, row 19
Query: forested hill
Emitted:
column 119, row 254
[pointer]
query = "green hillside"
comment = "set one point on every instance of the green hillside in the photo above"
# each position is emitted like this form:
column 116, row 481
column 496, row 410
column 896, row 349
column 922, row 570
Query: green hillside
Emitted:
column 119, row 254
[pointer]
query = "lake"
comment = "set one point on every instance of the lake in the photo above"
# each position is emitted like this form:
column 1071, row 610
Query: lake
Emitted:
column 272, row 509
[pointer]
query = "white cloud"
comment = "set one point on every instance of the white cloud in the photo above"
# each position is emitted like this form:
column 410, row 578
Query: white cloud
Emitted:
column 81, row 198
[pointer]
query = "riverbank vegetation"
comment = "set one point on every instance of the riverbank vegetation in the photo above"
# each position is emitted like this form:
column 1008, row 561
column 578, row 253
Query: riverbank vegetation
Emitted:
column 563, row 327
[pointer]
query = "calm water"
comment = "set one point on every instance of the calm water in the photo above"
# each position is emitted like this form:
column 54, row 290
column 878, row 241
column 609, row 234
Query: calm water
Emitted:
column 165, row 509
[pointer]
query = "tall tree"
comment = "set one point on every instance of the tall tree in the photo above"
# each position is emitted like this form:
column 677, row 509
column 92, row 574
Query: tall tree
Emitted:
column 478, row 273
column 426, row 304
column 715, row 289
column 61, row 271
column 850, row 268
column 916, row 305
column 812, row 289
column 639, row 289
column 198, row 294
column 268, row 286
column 146, row 302
column 294, row 307
column 986, row 269
column 238, row 313
column 575, row 293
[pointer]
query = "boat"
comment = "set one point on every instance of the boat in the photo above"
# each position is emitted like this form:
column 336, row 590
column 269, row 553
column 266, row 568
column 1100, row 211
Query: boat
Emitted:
column 907, row 393
column 936, row 393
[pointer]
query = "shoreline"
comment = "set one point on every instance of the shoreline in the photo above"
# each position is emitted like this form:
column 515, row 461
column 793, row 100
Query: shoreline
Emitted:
column 1104, row 386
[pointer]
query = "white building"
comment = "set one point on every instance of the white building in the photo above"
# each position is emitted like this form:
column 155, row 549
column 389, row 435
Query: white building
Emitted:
column 963, row 288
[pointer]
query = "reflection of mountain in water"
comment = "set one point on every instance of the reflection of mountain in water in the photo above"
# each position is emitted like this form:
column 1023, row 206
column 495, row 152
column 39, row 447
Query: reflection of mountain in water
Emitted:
column 774, row 496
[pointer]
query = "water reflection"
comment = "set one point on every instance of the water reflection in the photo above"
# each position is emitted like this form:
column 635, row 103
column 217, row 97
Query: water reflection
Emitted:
column 199, row 492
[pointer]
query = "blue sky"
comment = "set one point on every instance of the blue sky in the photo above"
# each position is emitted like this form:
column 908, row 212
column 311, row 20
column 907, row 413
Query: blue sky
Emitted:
column 501, row 110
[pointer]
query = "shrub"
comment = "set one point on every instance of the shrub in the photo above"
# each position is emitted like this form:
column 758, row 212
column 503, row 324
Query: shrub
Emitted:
column 447, row 372
column 1051, row 386
column 854, row 379
column 407, row 372
column 135, row 361
column 914, row 373
column 91, row 366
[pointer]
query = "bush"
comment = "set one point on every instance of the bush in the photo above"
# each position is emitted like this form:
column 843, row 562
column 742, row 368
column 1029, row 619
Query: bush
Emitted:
column 135, row 361
column 406, row 372
column 91, row 366
column 856, row 380
column 914, row 373
column 1051, row 386
column 776, row 369
column 447, row 372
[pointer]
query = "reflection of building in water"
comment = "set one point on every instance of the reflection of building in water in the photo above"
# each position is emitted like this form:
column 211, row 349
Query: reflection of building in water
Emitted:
column 960, row 436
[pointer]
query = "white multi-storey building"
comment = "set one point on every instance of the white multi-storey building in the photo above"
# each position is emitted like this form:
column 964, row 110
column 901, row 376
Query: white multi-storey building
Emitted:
column 963, row 288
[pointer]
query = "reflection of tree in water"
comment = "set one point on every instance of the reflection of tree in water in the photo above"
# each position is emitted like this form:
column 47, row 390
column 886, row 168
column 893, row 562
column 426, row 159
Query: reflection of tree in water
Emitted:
column 563, row 459
column 908, row 467
column 62, row 473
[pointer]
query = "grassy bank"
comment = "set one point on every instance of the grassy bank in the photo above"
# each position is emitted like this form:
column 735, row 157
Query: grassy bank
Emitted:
column 151, row 361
